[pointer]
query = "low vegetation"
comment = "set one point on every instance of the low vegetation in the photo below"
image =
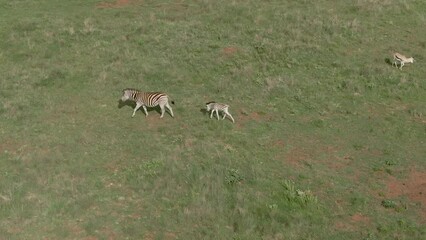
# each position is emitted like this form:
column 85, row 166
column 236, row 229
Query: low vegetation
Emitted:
column 328, row 141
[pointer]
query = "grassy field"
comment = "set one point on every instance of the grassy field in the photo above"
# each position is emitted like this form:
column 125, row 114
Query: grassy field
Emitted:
column 329, row 140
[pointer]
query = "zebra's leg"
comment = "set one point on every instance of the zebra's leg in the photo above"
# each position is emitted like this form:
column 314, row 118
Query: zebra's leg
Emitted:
column 138, row 105
column 227, row 113
column 170, row 109
column 217, row 113
column 402, row 64
column 162, row 110
column 211, row 113
column 231, row 117
column 144, row 109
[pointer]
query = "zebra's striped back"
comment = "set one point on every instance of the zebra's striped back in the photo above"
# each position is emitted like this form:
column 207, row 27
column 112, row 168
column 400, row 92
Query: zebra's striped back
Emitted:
column 216, row 106
column 149, row 99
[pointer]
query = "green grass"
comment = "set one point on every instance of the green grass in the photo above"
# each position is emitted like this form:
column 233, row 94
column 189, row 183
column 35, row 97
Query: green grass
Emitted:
column 323, row 122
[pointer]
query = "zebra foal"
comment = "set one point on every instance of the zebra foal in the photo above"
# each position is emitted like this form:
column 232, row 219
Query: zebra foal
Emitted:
column 216, row 107
column 147, row 99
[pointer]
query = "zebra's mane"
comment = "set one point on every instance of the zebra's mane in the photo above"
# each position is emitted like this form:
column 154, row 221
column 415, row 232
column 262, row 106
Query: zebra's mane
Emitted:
column 210, row 102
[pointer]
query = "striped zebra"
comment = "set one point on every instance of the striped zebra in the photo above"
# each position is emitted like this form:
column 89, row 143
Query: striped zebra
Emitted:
column 216, row 107
column 147, row 99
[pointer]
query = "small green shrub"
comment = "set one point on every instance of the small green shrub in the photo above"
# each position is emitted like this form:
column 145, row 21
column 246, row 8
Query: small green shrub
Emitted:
column 300, row 197
column 389, row 203
column 233, row 176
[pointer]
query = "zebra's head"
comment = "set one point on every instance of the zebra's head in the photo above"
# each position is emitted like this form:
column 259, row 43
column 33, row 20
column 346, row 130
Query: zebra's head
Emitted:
column 127, row 93
column 209, row 106
column 410, row 60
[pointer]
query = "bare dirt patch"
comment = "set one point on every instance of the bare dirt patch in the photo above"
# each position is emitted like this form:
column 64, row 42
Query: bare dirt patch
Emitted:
column 293, row 152
column 337, row 162
column 229, row 51
column 9, row 146
column 302, row 152
column 153, row 120
column 245, row 117
column 413, row 187
column 116, row 4
column 278, row 143
column 109, row 232
column 170, row 235
column 297, row 156
column 353, row 223
column 90, row 238
column 360, row 218
column 75, row 229
column 149, row 236
column 397, row 107
column 17, row 149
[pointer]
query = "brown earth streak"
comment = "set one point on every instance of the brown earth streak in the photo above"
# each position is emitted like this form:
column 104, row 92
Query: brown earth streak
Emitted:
column 116, row 4
column 8, row 146
column 414, row 187
column 303, row 152
column 229, row 51
column 353, row 223
column 253, row 116
column 297, row 156
column 358, row 217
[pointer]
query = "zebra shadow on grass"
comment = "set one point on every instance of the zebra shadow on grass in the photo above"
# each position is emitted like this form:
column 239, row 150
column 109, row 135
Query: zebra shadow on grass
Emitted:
column 204, row 111
column 131, row 104
column 389, row 62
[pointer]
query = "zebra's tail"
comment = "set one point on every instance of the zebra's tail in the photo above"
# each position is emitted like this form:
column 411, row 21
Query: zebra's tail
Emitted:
column 173, row 102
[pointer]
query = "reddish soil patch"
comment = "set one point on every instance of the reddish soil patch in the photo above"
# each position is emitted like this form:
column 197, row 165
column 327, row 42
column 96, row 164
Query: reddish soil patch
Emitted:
column 116, row 4
column 342, row 226
column 337, row 163
column 149, row 236
column 8, row 147
column 300, row 152
column 90, row 238
column 153, row 120
column 75, row 229
column 278, row 143
column 19, row 149
column 107, row 231
column 189, row 142
column 358, row 217
column 14, row 229
column 253, row 116
column 170, row 235
column 414, row 187
column 113, row 166
column 229, row 51
column 333, row 160
column 353, row 223
column 297, row 156
column 293, row 152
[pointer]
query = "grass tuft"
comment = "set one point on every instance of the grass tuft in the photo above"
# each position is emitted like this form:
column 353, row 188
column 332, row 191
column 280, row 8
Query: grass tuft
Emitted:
column 327, row 131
